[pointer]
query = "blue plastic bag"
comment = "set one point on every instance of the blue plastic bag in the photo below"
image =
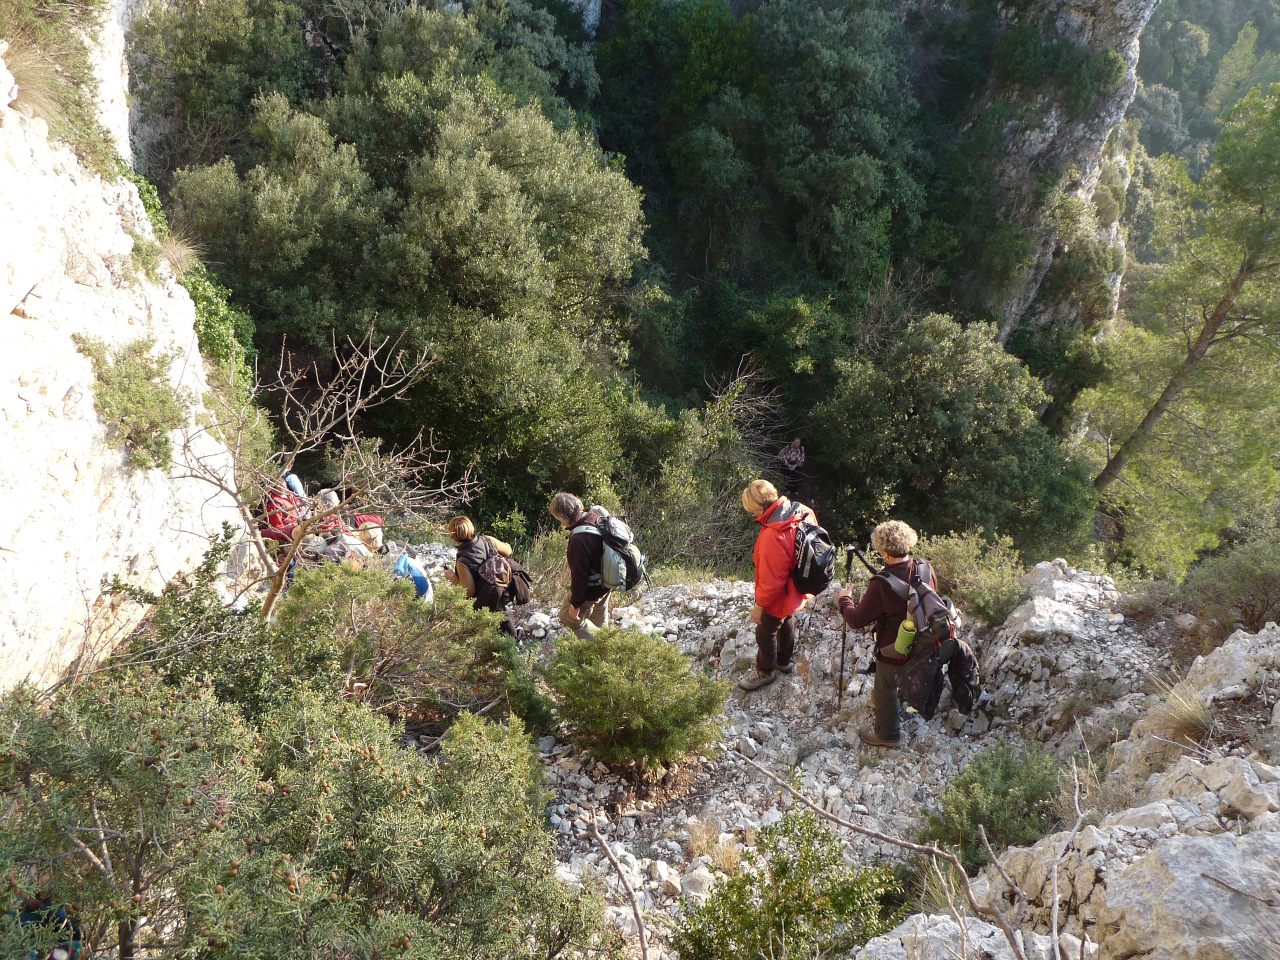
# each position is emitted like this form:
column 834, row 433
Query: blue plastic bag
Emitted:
column 409, row 569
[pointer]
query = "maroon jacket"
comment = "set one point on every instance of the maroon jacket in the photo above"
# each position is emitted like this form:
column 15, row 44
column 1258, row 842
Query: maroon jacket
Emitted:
column 586, row 556
column 881, row 606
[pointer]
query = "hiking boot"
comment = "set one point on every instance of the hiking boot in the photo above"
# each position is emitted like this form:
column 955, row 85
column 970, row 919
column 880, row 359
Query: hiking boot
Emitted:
column 787, row 667
column 755, row 680
column 873, row 739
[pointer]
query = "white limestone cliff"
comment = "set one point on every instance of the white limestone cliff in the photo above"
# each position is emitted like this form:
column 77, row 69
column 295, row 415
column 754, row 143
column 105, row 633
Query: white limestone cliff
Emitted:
column 78, row 512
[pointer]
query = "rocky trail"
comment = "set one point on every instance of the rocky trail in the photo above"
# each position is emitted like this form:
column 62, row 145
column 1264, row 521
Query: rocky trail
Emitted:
column 1067, row 669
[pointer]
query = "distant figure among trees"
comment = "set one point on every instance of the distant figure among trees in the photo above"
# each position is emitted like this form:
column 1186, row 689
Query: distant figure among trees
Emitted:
column 791, row 457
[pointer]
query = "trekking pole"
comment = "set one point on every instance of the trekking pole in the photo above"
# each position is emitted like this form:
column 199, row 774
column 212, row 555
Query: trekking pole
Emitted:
column 844, row 628
column 865, row 562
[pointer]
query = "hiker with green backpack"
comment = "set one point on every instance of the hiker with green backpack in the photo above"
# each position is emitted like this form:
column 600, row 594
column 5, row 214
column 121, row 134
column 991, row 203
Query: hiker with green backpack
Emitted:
column 602, row 556
column 915, row 635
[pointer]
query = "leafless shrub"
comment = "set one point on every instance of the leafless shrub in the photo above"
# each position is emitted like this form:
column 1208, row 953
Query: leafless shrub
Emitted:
column 689, row 511
column 322, row 413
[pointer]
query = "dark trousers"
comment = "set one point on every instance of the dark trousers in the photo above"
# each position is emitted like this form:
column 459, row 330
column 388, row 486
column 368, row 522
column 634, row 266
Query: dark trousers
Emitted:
column 884, row 699
column 775, row 642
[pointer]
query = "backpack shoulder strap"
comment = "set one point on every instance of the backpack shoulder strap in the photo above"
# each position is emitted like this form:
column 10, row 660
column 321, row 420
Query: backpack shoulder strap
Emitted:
column 587, row 528
column 922, row 573
column 900, row 587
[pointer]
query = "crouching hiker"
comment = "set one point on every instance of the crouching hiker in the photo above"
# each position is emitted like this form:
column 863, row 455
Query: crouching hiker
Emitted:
column 778, row 598
column 586, row 609
column 482, row 569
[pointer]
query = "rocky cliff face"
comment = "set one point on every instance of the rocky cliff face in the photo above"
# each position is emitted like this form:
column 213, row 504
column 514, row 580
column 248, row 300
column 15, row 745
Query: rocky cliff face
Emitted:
column 78, row 512
column 1047, row 138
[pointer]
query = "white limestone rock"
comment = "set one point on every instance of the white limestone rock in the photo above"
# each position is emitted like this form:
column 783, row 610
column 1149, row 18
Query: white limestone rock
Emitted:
column 1194, row 898
column 79, row 513
column 929, row 937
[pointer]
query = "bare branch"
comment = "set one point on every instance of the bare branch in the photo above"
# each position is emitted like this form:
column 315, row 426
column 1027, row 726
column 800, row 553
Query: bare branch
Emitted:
column 926, row 850
column 626, row 885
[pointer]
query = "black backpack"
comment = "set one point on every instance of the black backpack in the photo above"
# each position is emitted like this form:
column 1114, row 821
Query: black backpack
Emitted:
column 521, row 591
column 816, row 558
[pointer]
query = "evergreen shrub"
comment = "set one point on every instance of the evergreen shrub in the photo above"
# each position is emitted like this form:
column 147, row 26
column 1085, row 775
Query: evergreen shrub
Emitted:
column 982, row 574
column 1008, row 790
column 133, row 394
column 632, row 697
column 422, row 663
column 793, row 897
column 1240, row 586
column 166, row 825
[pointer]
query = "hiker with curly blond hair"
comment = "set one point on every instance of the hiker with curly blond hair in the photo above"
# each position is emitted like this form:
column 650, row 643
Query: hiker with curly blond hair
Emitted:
column 880, row 605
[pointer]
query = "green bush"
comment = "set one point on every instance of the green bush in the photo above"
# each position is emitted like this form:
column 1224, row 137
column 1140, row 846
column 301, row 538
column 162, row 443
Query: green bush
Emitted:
column 170, row 827
column 963, row 448
column 632, row 697
column 1239, row 586
column 1009, row 791
column 983, row 575
column 126, row 797
column 795, row 897
column 133, row 394
column 422, row 663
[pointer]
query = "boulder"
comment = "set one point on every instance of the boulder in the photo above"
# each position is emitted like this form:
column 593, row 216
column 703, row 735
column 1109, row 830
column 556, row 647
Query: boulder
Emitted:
column 1238, row 666
column 926, row 937
column 1195, row 898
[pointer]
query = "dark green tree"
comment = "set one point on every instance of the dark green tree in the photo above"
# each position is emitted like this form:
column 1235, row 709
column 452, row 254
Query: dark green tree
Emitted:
column 941, row 430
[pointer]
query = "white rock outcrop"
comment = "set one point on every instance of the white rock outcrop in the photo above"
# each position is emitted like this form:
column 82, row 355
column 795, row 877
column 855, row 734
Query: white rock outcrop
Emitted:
column 1191, row 869
column 78, row 512
column 928, row 937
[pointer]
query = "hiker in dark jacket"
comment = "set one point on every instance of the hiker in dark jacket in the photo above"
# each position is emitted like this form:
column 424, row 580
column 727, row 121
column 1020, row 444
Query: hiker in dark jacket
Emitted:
column 879, row 605
column 473, row 551
column 778, row 599
column 586, row 609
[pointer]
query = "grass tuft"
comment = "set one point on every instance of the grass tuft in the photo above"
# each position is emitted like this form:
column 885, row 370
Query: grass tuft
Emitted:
column 1182, row 714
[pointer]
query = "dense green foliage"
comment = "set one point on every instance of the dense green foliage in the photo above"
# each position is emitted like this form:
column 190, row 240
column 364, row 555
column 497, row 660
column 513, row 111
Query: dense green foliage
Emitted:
column 981, row 574
column 134, row 396
column 1186, row 423
column 423, row 664
column 359, row 633
column 1198, row 59
column 226, row 784
column 793, row 897
column 1239, row 586
column 175, row 828
column 1007, row 790
column 957, row 440
column 632, row 697
column 430, row 195
column 591, row 238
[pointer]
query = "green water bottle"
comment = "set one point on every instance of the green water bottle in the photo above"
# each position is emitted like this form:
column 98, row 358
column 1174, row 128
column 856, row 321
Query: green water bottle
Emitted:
column 906, row 637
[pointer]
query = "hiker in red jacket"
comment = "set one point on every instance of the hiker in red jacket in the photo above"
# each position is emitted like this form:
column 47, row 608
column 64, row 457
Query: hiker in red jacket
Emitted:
column 879, row 605
column 777, row 596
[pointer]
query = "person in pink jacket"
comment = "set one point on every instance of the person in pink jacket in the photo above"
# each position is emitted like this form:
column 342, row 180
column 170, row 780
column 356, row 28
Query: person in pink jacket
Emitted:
column 777, row 596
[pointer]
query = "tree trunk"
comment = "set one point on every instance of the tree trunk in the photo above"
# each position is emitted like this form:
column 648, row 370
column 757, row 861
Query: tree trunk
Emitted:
column 1177, row 383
